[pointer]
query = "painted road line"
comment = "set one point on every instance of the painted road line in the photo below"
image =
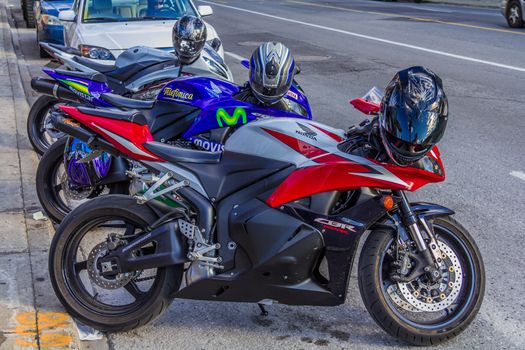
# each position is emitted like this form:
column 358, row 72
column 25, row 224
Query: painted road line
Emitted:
column 419, row 19
column 234, row 56
column 373, row 38
column 520, row 175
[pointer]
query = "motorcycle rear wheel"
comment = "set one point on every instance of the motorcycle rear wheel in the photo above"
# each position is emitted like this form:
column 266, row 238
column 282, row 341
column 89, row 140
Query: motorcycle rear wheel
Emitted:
column 37, row 130
column 401, row 319
column 132, row 300
column 50, row 188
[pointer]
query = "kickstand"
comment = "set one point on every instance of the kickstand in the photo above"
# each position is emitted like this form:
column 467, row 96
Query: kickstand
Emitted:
column 263, row 310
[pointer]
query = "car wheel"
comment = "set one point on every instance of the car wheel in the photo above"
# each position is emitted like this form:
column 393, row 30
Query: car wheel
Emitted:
column 43, row 53
column 514, row 15
column 29, row 15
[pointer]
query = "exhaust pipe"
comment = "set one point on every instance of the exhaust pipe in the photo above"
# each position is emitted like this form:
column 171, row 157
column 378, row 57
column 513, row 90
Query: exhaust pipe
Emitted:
column 76, row 130
column 52, row 88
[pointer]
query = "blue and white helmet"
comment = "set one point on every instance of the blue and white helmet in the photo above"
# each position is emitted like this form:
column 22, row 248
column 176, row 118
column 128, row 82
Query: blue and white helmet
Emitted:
column 272, row 69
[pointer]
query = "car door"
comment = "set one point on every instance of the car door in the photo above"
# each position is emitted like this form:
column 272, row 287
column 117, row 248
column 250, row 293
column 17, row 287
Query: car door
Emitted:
column 71, row 27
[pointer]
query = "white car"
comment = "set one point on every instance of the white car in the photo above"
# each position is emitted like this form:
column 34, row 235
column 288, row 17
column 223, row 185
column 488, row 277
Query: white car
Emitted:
column 103, row 29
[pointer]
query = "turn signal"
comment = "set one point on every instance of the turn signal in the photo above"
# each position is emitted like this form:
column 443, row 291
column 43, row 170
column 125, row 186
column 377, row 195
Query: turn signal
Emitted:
column 388, row 202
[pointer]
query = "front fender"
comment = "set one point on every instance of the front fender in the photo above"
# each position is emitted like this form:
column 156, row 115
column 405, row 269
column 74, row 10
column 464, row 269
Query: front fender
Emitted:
column 430, row 210
column 423, row 210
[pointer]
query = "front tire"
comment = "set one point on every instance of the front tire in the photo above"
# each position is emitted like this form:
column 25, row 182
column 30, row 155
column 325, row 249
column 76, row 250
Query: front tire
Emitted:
column 390, row 314
column 514, row 15
column 85, row 294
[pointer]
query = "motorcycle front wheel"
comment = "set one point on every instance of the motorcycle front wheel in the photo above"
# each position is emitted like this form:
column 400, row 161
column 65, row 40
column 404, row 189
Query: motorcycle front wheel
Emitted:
column 52, row 186
column 39, row 130
column 422, row 312
column 108, row 303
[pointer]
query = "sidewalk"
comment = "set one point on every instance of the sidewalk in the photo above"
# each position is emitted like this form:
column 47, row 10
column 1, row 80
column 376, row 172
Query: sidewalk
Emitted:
column 30, row 315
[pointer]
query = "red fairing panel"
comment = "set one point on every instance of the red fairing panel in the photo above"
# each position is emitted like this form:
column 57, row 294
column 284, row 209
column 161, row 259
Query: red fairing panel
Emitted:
column 127, row 137
column 365, row 106
column 338, row 173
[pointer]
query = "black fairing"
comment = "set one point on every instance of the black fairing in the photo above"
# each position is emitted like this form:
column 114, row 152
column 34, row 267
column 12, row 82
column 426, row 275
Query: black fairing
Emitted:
column 166, row 120
column 276, row 259
column 234, row 172
column 341, row 243
column 276, row 253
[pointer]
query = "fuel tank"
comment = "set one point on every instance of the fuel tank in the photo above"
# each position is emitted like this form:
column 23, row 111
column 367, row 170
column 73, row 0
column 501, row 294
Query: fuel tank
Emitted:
column 197, row 91
column 291, row 140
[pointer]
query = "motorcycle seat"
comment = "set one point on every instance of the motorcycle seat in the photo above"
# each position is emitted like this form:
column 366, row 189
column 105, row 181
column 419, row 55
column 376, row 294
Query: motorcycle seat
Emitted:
column 176, row 154
column 99, row 67
column 164, row 121
column 134, row 116
column 130, row 62
column 124, row 102
column 98, row 77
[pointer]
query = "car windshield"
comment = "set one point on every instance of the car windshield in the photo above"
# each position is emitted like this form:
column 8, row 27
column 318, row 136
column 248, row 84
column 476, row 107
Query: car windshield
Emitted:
column 97, row 11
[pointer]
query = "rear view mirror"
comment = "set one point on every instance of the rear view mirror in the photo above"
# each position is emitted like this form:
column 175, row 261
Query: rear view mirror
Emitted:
column 67, row 16
column 216, row 44
column 205, row 10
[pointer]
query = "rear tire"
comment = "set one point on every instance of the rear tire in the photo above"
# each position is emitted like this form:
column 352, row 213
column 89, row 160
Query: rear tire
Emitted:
column 29, row 14
column 110, row 319
column 35, row 122
column 46, row 186
column 373, row 295
column 514, row 15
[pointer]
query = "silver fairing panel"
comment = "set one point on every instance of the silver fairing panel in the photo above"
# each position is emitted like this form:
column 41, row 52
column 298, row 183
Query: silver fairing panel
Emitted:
column 199, row 68
column 252, row 139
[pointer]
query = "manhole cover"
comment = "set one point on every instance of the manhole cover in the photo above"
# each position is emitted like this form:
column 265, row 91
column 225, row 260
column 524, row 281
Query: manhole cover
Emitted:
column 250, row 43
column 311, row 58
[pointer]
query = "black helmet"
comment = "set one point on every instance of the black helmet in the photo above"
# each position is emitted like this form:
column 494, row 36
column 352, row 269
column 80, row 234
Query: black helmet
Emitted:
column 189, row 36
column 272, row 69
column 414, row 114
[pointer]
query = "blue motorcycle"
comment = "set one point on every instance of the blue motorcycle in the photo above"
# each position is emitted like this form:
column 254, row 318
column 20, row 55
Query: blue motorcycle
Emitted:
column 190, row 112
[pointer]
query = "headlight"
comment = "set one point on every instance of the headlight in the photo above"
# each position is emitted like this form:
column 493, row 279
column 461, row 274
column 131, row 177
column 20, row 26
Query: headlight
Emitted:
column 95, row 52
column 51, row 20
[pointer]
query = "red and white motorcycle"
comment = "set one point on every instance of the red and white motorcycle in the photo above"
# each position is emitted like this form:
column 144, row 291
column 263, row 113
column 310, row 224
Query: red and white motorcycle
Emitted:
column 277, row 217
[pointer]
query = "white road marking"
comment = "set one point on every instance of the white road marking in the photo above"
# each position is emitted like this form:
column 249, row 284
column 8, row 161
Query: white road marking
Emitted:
column 520, row 175
column 235, row 56
column 368, row 37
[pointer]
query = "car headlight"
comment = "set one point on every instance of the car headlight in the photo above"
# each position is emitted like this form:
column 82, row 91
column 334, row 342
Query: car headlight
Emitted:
column 96, row 52
column 51, row 20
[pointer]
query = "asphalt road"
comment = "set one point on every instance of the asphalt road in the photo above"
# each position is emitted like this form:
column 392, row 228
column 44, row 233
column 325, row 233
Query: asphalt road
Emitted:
column 344, row 48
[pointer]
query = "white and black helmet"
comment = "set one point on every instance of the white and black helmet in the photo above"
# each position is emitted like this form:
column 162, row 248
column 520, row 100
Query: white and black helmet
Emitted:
column 189, row 36
column 272, row 69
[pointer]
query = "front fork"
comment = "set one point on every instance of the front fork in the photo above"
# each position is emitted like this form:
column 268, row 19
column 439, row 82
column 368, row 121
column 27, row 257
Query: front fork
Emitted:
column 430, row 253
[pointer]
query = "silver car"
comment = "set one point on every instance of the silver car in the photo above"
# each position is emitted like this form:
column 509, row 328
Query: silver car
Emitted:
column 513, row 12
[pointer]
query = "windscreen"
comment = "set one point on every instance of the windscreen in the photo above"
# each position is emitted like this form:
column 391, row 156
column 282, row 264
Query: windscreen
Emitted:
column 96, row 11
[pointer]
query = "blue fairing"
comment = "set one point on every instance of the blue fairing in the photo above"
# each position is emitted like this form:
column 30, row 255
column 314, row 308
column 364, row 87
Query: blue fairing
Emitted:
column 51, row 33
column 219, row 107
